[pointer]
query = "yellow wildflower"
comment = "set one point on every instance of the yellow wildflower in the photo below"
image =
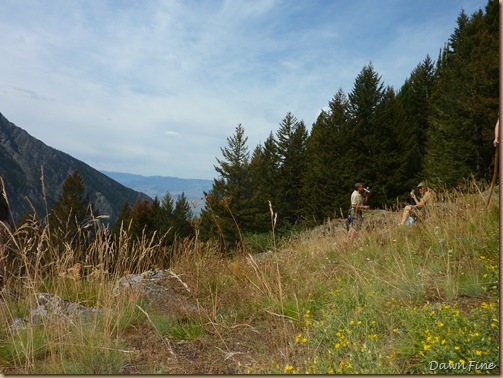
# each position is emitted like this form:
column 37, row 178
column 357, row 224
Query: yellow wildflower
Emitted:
column 288, row 368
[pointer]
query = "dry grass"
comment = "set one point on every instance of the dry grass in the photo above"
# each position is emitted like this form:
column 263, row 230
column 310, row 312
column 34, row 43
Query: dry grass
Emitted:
column 289, row 310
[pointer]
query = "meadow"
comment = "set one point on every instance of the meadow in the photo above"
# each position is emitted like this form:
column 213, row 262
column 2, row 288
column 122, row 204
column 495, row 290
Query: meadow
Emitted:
column 415, row 299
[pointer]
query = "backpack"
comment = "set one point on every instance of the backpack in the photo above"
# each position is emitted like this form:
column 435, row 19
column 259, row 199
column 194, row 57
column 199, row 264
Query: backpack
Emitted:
column 349, row 220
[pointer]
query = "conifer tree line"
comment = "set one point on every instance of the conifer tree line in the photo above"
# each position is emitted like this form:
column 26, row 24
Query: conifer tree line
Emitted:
column 438, row 126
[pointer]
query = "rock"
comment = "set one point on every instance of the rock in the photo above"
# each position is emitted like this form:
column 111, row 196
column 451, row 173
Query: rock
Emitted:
column 162, row 289
column 54, row 308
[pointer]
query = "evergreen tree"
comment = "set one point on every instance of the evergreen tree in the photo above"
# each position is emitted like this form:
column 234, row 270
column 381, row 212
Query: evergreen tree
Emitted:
column 182, row 217
column 227, row 209
column 291, row 140
column 123, row 219
column 465, row 101
column 415, row 96
column 69, row 216
column 73, row 207
column 156, row 216
column 143, row 219
column 263, row 176
column 363, row 134
column 165, row 221
column 324, row 196
column 388, row 162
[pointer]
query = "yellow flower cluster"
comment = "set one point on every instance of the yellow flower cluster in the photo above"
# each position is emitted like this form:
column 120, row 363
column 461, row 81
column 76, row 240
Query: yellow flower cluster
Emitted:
column 300, row 338
column 455, row 336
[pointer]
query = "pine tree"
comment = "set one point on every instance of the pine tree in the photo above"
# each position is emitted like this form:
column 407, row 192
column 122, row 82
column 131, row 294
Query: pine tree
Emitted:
column 415, row 96
column 263, row 177
column 182, row 218
column 465, row 101
column 143, row 222
column 227, row 208
column 388, row 162
column 124, row 219
column 363, row 132
column 73, row 207
column 325, row 153
column 165, row 221
column 291, row 140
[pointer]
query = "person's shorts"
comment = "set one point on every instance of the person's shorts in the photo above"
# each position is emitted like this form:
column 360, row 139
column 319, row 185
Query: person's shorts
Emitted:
column 357, row 222
column 416, row 214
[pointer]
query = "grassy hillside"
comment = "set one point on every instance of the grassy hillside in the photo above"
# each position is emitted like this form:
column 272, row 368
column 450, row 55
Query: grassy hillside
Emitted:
column 398, row 300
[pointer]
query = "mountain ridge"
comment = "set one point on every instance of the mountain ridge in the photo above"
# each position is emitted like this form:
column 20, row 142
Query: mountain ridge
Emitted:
column 157, row 185
column 33, row 175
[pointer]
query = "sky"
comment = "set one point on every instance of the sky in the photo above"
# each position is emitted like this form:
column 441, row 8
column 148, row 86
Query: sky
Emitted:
column 155, row 87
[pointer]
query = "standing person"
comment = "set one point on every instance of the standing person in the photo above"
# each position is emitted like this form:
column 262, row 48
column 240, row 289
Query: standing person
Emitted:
column 358, row 204
column 417, row 210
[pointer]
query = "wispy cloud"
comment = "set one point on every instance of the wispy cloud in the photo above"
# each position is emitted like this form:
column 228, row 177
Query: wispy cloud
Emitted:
column 155, row 87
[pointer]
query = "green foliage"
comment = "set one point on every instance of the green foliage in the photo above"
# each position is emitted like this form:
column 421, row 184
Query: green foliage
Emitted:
column 123, row 219
column 399, row 303
column 93, row 357
column 182, row 217
column 24, row 344
column 291, row 144
column 450, row 339
column 72, row 207
column 186, row 330
column 226, row 213
column 263, row 177
column 159, row 221
column 326, row 178
column 438, row 126
column 414, row 96
column 465, row 100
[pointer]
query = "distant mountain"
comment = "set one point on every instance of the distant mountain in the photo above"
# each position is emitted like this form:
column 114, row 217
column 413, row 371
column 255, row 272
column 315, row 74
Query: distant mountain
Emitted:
column 23, row 161
column 160, row 185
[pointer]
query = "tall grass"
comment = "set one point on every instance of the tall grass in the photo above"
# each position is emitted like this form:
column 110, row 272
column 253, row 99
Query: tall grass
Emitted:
column 397, row 300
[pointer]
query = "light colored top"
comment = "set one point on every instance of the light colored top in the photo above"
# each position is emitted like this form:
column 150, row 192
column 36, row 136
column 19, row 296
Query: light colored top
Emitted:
column 356, row 198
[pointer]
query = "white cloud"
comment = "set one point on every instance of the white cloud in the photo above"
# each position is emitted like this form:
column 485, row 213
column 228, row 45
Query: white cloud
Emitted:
column 102, row 80
column 171, row 133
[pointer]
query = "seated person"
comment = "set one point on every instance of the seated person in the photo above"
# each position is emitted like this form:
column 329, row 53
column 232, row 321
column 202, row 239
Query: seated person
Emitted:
column 414, row 211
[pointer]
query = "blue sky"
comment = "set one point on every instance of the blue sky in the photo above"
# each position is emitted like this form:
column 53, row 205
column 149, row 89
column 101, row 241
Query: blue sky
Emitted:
column 155, row 87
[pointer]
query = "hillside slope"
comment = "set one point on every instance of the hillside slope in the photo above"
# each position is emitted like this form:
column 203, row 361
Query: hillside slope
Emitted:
column 25, row 159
